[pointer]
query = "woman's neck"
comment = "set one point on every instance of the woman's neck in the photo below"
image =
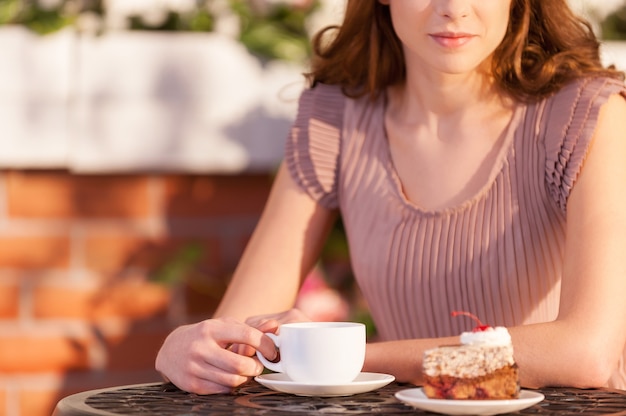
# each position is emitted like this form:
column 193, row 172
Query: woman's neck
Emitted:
column 444, row 99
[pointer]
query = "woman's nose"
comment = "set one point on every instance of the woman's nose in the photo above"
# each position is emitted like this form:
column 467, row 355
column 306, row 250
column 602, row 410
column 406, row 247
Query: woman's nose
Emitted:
column 452, row 9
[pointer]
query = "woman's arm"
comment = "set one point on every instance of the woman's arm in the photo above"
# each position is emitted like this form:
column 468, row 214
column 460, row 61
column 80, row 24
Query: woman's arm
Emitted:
column 284, row 246
column 583, row 345
column 283, row 249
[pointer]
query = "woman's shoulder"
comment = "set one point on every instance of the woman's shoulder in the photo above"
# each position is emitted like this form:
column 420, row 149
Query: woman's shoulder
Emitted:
column 323, row 97
column 569, row 122
column 589, row 89
column 334, row 97
column 313, row 144
column 577, row 106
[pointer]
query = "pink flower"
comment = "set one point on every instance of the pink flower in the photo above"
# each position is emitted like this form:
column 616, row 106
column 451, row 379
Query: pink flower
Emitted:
column 319, row 301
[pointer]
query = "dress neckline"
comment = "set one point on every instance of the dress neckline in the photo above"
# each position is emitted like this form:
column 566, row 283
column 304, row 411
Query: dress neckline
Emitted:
column 504, row 153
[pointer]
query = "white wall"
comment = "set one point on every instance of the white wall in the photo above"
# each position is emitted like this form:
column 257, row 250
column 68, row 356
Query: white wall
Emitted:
column 137, row 100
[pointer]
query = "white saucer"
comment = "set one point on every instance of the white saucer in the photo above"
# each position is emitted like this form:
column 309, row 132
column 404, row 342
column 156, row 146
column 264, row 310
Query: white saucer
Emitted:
column 417, row 398
column 364, row 382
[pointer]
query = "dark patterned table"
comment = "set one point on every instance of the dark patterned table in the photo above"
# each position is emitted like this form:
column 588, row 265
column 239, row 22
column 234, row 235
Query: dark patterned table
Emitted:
column 254, row 399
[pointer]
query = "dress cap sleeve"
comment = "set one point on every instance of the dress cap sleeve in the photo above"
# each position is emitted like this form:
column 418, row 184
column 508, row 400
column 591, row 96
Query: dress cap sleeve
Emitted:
column 313, row 145
column 572, row 116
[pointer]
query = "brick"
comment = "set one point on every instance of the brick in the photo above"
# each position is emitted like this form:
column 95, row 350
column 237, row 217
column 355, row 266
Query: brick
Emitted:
column 114, row 252
column 111, row 253
column 203, row 294
column 135, row 350
column 58, row 194
column 3, row 403
column 34, row 252
column 61, row 302
column 38, row 402
column 26, row 353
column 9, row 301
column 119, row 299
column 200, row 196
column 79, row 381
column 132, row 300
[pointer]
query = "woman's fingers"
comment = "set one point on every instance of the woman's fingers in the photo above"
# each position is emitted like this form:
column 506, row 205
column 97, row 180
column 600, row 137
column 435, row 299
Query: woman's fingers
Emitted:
column 270, row 323
column 277, row 319
column 201, row 358
column 221, row 361
column 216, row 370
column 247, row 338
column 243, row 349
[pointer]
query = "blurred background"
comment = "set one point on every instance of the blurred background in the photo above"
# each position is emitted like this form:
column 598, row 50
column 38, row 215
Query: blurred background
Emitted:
column 138, row 143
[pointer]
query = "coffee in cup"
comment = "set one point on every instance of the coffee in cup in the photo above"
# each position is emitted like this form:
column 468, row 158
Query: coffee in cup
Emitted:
column 319, row 352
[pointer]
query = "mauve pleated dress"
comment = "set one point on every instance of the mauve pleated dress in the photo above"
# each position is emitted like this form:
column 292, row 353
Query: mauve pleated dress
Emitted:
column 498, row 255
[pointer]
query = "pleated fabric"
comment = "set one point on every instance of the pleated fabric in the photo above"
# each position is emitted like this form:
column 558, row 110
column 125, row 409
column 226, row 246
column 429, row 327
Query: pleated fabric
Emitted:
column 498, row 255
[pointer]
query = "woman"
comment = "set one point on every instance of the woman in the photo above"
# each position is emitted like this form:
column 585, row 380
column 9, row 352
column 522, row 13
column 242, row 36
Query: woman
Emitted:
column 474, row 150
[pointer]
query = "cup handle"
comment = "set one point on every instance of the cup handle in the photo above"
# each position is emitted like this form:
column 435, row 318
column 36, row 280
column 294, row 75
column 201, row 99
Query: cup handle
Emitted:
column 277, row 367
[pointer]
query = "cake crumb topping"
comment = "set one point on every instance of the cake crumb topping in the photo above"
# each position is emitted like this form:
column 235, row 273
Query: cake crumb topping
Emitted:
column 467, row 361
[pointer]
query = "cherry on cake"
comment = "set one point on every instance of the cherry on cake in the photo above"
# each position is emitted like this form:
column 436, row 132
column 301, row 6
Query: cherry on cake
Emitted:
column 481, row 368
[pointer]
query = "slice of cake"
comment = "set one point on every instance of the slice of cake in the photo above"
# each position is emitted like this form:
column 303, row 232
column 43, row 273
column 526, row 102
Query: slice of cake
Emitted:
column 481, row 368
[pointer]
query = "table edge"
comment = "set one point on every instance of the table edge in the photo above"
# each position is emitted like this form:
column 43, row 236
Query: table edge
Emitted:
column 74, row 404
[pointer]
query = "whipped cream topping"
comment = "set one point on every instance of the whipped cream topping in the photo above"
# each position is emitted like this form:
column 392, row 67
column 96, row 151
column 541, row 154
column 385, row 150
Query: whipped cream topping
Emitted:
column 490, row 336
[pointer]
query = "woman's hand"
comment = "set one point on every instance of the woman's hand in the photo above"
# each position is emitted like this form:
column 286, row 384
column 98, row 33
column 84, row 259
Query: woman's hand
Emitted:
column 213, row 356
column 218, row 354
column 271, row 322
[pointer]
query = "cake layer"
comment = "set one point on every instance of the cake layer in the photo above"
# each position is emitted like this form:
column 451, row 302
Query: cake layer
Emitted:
column 467, row 361
column 501, row 384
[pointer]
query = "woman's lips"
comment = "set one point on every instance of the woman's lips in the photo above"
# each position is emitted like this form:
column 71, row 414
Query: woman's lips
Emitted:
column 451, row 40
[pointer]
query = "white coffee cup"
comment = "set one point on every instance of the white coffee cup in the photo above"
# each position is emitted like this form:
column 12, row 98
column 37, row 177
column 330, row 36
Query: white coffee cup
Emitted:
column 319, row 352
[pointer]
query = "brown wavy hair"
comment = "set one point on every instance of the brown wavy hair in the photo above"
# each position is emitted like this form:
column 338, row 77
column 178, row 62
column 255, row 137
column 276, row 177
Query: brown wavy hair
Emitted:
column 545, row 47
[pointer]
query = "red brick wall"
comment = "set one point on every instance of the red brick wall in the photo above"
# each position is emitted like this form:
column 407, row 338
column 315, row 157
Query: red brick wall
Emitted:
column 95, row 270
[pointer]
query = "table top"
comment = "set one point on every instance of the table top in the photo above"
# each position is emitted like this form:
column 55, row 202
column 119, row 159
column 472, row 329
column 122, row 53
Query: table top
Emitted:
column 253, row 399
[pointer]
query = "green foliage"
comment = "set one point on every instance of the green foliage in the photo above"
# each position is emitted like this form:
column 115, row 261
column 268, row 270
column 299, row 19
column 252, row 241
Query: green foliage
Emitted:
column 177, row 268
column 614, row 26
column 37, row 19
column 9, row 9
column 363, row 316
column 276, row 33
column 280, row 33
column 199, row 21
column 202, row 21
column 336, row 247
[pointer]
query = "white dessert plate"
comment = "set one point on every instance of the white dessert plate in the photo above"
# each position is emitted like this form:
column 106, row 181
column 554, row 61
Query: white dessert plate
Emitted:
column 416, row 398
column 364, row 382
